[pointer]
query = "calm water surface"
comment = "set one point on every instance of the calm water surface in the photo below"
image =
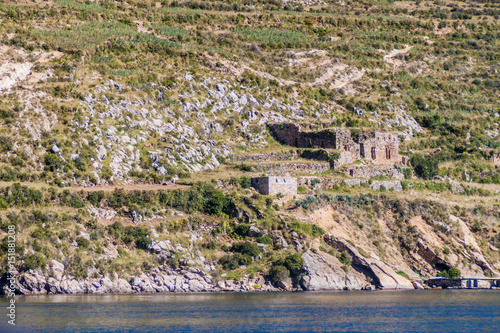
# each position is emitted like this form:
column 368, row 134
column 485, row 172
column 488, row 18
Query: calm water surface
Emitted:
column 354, row 311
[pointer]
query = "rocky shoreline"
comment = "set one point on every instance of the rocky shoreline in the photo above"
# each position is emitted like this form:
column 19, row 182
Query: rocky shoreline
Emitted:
column 321, row 271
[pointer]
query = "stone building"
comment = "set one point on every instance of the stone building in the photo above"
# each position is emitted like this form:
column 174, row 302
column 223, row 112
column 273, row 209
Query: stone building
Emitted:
column 290, row 134
column 271, row 185
column 378, row 147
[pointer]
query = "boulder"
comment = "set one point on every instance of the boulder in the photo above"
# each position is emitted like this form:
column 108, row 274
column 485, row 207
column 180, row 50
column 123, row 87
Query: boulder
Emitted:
column 57, row 269
column 253, row 231
column 55, row 149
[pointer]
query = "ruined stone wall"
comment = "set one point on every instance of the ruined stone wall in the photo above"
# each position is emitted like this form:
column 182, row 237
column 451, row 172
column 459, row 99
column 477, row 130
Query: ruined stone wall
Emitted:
column 346, row 157
column 292, row 168
column 291, row 135
column 378, row 147
column 287, row 133
column 265, row 157
column 388, row 184
column 273, row 185
column 328, row 183
column 381, row 148
column 370, row 171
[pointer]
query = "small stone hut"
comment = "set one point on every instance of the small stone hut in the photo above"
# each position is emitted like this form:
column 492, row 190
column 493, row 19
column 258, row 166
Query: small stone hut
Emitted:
column 272, row 185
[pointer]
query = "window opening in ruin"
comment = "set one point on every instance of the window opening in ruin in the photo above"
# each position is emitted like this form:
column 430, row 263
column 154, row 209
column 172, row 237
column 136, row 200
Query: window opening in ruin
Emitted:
column 351, row 173
column 346, row 148
column 362, row 148
column 387, row 153
column 373, row 153
column 296, row 142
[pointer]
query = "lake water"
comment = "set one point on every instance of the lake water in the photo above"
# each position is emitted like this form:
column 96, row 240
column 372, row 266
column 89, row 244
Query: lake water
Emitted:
column 346, row 311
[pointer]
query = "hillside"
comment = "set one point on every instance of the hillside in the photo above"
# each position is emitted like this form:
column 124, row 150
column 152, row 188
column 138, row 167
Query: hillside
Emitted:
column 130, row 131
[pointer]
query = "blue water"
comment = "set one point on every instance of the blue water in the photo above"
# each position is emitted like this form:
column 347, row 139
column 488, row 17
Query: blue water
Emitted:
column 354, row 311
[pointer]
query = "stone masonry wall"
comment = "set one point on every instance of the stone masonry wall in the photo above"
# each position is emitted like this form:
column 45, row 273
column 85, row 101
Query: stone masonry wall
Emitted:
column 381, row 148
column 327, row 183
column 273, row 185
column 291, row 135
column 292, row 168
column 377, row 147
column 370, row 171
column 265, row 157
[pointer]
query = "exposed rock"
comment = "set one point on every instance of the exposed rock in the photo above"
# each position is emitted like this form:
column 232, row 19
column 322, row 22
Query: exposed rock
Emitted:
column 324, row 272
column 381, row 274
column 55, row 149
column 278, row 239
column 253, row 231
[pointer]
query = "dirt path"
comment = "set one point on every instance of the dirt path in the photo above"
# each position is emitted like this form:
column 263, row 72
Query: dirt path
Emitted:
column 132, row 187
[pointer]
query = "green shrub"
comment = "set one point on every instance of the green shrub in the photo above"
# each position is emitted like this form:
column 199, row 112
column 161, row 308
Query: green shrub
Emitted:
column 35, row 261
column 3, row 204
column 245, row 182
column 320, row 154
column 53, row 162
column 303, row 228
column 230, row 262
column 344, row 258
column 403, row 274
column 82, row 242
column 246, row 248
column 245, row 168
column 264, row 240
column 294, row 263
column 315, row 181
column 452, row 273
column 425, row 168
column 142, row 242
column 278, row 274
column 211, row 245
column 242, row 229
column 76, row 202
column 5, row 144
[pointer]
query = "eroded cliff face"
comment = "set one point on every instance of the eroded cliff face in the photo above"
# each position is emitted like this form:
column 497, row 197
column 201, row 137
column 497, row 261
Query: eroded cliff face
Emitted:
column 382, row 254
column 347, row 244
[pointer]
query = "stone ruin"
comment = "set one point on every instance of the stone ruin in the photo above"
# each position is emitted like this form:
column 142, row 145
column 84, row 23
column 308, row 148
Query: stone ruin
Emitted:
column 272, row 185
column 377, row 147
column 380, row 147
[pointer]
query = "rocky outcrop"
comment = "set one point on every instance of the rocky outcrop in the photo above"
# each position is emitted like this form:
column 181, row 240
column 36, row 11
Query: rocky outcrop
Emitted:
column 324, row 272
column 183, row 279
column 383, row 276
